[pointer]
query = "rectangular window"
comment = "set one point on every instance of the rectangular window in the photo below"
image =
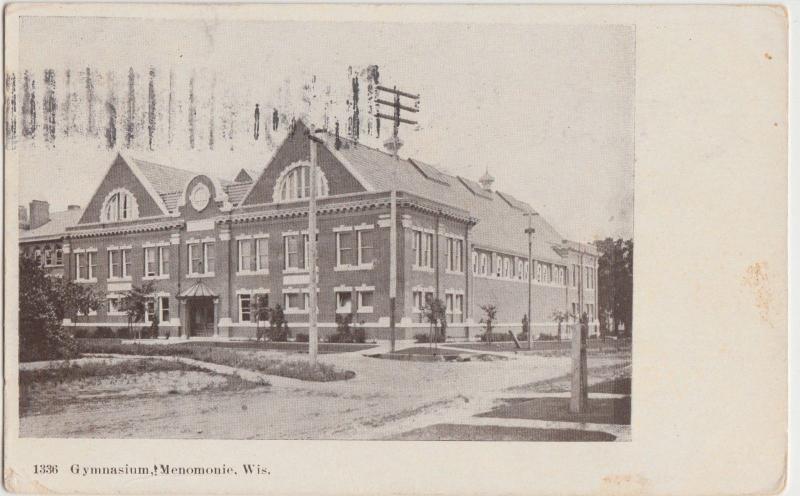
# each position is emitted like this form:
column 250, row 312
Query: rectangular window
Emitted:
column 293, row 247
column 365, row 255
column 416, row 246
column 428, row 251
column 114, row 304
column 417, row 299
column 484, row 264
column 80, row 266
column 575, row 274
column 244, row 308
column 163, row 256
column 195, row 258
column 344, row 248
column 151, row 261
column 448, row 301
column 365, row 301
column 163, row 304
column 246, row 260
column 458, row 308
column 59, row 256
column 150, row 311
column 209, row 257
column 458, row 264
column 260, row 307
column 475, row 263
column 448, row 254
column 92, row 256
column 344, row 302
column 48, row 256
column 262, row 254
column 115, row 263
column 295, row 301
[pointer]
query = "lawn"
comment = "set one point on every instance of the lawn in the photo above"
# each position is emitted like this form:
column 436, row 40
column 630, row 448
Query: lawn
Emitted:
column 457, row 432
column 50, row 390
column 600, row 410
column 288, row 346
column 564, row 345
column 244, row 359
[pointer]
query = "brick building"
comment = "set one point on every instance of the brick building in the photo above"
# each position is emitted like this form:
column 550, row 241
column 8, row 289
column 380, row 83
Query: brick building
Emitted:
column 216, row 249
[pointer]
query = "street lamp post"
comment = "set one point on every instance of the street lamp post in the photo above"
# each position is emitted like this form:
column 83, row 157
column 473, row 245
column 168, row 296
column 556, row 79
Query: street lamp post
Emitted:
column 530, row 231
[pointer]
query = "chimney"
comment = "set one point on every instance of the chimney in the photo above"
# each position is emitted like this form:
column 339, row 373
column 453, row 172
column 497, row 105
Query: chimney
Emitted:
column 40, row 213
column 73, row 207
column 23, row 217
column 486, row 181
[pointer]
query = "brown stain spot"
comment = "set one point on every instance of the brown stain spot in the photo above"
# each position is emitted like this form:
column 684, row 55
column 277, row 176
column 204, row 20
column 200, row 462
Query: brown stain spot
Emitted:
column 13, row 483
column 756, row 278
column 775, row 124
column 624, row 484
column 767, row 56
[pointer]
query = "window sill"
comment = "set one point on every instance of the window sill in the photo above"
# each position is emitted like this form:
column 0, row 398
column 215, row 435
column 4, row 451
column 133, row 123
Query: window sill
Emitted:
column 154, row 278
column 200, row 276
column 86, row 281
column 295, row 311
column 252, row 273
column 120, row 279
column 454, row 272
column 365, row 310
column 115, row 314
column 343, row 311
column 422, row 269
column 346, row 268
column 294, row 270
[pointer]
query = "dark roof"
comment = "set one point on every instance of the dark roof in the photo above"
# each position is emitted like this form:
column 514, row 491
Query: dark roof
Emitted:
column 169, row 181
column 501, row 219
column 236, row 192
column 55, row 228
column 198, row 289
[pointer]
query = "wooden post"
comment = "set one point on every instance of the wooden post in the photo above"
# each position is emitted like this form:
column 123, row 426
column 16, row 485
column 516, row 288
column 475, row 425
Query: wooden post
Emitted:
column 579, row 397
column 313, row 333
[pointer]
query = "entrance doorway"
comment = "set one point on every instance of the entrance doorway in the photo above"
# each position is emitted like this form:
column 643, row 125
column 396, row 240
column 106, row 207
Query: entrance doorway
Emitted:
column 201, row 316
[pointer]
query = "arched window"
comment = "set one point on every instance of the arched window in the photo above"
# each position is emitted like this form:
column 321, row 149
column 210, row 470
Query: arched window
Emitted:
column 294, row 183
column 119, row 205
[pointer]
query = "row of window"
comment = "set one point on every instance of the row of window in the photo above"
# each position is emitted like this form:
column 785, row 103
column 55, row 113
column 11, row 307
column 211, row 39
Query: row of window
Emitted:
column 510, row 267
column 422, row 248
column 454, row 303
column 589, row 311
column 252, row 304
column 49, row 257
column 156, row 263
column 158, row 306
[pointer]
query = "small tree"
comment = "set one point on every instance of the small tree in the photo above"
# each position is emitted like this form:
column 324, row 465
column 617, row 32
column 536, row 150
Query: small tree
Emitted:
column 435, row 312
column 134, row 303
column 261, row 313
column 76, row 299
column 526, row 326
column 278, row 326
column 490, row 314
column 41, row 311
column 559, row 317
column 153, row 333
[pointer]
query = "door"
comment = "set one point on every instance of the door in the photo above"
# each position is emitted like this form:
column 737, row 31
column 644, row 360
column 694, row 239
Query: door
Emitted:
column 202, row 317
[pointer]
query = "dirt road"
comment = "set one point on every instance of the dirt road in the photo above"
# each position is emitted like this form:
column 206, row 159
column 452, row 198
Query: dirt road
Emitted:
column 385, row 398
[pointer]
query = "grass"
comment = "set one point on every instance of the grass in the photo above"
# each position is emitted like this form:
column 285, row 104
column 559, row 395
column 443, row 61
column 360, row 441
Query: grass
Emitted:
column 600, row 410
column 47, row 390
column 296, row 369
column 457, row 432
column 425, row 350
column 301, row 347
column 74, row 372
column 564, row 345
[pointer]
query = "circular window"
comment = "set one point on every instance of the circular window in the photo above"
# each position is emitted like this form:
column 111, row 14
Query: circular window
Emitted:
column 200, row 196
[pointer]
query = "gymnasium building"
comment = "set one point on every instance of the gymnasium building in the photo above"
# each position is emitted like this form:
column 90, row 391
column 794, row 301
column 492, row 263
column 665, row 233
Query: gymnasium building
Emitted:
column 216, row 249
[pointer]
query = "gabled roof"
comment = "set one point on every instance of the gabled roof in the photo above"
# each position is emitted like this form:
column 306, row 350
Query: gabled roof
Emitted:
column 168, row 181
column 501, row 219
column 55, row 228
column 246, row 175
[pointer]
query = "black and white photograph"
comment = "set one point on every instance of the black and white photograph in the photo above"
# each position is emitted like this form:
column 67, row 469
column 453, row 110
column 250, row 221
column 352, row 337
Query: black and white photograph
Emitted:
column 470, row 277
column 390, row 249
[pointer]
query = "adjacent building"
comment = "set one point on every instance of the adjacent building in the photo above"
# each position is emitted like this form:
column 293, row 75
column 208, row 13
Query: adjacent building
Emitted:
column 216, row 250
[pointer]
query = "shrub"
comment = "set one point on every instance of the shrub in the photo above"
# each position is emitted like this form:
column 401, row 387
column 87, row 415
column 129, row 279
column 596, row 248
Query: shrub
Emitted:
column 548, row 337
column 522, row 336
column 344, row 334
column 103, row 332
column 123, row 333
column 80, row 333
column 495, row 336
column 425, row 337
column 359, row 335
column 301, row 337
column 278, row 326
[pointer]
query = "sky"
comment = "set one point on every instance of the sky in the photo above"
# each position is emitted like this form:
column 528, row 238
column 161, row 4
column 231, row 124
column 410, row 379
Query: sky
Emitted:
column 547, row 109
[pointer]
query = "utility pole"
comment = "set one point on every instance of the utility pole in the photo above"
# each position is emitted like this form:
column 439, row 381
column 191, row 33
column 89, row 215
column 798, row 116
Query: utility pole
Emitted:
column 579, row 397
column 530, row 231
column 313, row 332
column 394, row 145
